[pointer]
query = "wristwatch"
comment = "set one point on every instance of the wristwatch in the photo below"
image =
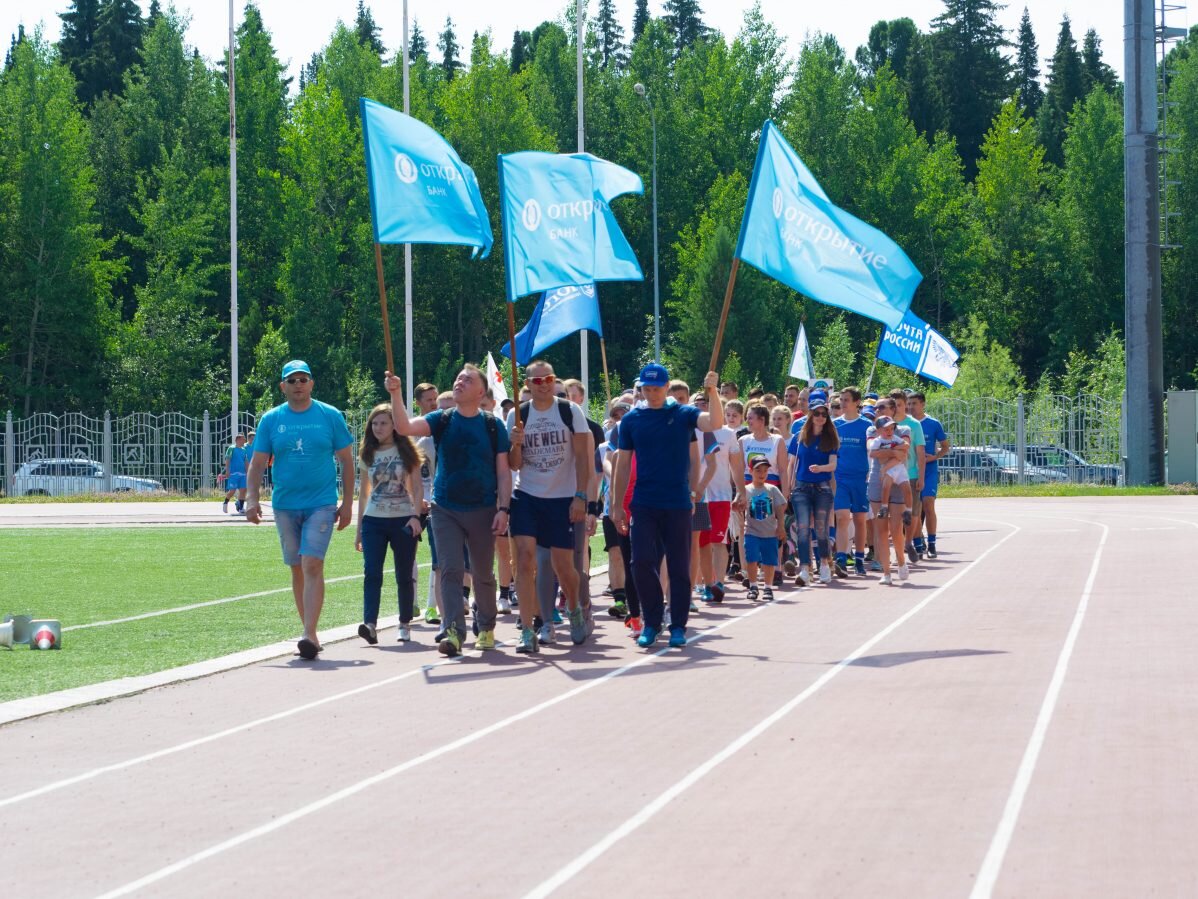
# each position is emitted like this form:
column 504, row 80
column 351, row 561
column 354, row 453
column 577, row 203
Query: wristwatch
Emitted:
column 581, row 496
column 506, row 510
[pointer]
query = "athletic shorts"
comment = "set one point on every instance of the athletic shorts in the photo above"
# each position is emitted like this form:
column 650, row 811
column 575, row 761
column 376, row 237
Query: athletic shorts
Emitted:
column 720, row 511
column 305, row 532
column 611, row 536
column 762, row 550
column 850, row 495
column 545, row 519
column 931, row 481
column 235, row 481
column 700, row 518
column 897, row 497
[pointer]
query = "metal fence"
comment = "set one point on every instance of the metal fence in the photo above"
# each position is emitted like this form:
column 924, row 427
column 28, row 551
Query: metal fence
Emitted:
column 1046, row 439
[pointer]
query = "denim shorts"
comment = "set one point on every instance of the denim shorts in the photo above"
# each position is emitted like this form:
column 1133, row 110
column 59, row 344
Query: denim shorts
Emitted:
column 305, row 532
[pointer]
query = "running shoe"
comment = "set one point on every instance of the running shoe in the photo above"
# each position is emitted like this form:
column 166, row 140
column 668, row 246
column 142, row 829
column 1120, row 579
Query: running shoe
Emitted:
column 224, row 507
column 825, row 573
column 717, row 592
column 753, row 595
column 451, row 645
column 875, row 565
column 405, row 633
column 474, row 618
column 859, row 567
column 503, row 605
column 804, row 579
column 778, row 579
column 666, row 614
column 885, row 582
column 677, row 637
column 694, row 606
column 906, row 517
column 618, row 609
column 884, row 512
column 767, row 595
column 557, row 615
column 734, row 573
column 635, row 625
column 485, row 641
column 706, row 595
column 931, row 551
column 578, row 627
column 546, row 635
column 440, row 635
column 528, row 641
column 842, row 569
column 367, row 633
column 912, row 555
column 904, row 572
column 789, row 567
column 647, row 638
column 431, row 615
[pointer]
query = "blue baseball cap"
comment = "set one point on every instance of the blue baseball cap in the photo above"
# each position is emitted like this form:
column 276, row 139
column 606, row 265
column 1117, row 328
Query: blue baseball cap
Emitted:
column 816, row 399
column 655, row 375
column 295, row 365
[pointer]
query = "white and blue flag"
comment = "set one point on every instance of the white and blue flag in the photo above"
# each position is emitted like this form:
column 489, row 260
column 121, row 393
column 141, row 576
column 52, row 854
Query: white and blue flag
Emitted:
column 792, row 232
column 917, row 346
column 558, row 225
column 559, row 314
column 420, row 190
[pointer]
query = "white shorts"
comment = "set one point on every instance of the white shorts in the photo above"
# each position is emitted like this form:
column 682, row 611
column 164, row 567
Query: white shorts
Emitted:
column 897, row 474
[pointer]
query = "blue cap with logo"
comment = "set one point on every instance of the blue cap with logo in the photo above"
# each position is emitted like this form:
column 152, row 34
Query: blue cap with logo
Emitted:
column 817, row 398
column 296, row 365
column 655, row 375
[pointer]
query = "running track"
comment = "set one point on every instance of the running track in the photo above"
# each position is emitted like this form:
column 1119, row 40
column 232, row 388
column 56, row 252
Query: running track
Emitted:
column 1017, row 720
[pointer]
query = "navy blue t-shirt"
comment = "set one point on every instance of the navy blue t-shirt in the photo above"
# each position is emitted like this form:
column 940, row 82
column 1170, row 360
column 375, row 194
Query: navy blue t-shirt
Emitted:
column 465, row 476
column 661, row 439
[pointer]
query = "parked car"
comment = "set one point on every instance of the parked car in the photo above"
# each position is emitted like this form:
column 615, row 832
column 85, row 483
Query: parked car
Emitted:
column 1076, row 469
column 992, row 465
column 64, row 477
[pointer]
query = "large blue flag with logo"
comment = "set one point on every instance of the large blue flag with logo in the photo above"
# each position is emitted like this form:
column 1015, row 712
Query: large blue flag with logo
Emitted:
column 420, row 190
column 917, row 346
column 793, row 232
column 559, row 314
column 558, row 225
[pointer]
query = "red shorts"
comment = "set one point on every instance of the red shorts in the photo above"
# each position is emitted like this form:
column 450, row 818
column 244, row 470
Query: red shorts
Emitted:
column 719, row 512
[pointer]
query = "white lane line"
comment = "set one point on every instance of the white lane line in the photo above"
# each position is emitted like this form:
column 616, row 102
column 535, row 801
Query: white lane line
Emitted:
column 355, row 788
column 983, row 886
column 211, row 738
column 1166, row 528
column 212, row 602
column 574, row 867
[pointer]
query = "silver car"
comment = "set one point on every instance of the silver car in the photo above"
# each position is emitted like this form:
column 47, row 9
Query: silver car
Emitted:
column 65, row 477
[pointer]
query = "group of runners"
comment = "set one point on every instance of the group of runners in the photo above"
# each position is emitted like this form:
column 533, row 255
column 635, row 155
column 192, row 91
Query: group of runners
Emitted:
column 694, row 491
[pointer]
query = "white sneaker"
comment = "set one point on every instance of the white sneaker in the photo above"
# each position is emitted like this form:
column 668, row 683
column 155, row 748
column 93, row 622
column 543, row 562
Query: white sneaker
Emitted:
column 545, row 635
column 503, row 605
column 665, row 620
column 886, row 581
column 825, row 573
column 904, row 573
column 405, row 633
column 805, row 577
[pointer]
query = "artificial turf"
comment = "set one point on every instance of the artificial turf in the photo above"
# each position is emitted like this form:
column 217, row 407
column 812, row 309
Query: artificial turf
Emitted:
column 81, row 575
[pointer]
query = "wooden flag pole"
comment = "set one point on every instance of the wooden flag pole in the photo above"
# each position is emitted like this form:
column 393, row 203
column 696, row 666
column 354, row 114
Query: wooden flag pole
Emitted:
column 719, row 334
column 378, row 267
column 511, row 330
column 606, row 379
column 871, row 374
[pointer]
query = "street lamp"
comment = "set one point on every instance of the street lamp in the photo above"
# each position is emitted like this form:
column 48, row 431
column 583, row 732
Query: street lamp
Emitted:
column 644, row 95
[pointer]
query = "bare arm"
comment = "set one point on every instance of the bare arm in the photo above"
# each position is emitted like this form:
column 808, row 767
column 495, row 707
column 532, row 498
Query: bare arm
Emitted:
column 363, row 498
column 253, row 510
column 409, row 427
column 345, row 514
column 619, row 488
column 713, row 419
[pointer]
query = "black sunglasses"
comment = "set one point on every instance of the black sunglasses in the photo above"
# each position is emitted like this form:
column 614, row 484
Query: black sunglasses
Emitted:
column 299, row 380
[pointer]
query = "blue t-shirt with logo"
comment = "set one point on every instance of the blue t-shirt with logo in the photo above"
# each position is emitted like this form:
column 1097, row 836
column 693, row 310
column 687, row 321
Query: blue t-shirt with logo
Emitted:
column 303, row 445
column 933, row 433
column 808, row 454
column 853, row 462
column 661, row 439
column 465, row 476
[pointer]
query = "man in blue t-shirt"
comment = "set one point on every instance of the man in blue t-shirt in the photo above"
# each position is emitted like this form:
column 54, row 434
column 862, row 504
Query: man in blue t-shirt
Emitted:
column 237, row 463
column 852, row 474
column 936, row 447
column 660, row 434
column 472, row 490
column 307, row 438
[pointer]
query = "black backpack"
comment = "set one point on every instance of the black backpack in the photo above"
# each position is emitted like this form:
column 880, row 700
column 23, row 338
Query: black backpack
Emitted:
column 491, row 422
column 563, row 409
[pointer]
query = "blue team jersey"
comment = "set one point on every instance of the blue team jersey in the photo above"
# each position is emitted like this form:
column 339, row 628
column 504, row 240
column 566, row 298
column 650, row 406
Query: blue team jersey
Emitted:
column 933, row 433
column 808, row 455
column 303, row 444
column 853, row 459
column 661, row 440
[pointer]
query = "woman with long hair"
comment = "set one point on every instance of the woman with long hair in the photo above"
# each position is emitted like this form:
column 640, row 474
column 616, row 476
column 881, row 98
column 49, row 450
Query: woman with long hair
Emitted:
column 812, row 463
column 390, row 497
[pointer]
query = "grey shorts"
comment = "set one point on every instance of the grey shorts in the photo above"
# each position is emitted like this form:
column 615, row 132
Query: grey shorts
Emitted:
column 896, row 494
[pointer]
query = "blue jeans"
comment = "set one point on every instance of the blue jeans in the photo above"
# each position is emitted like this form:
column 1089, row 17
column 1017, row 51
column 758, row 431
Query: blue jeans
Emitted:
column 812, row 504
column 654, row 533
column 377, row 534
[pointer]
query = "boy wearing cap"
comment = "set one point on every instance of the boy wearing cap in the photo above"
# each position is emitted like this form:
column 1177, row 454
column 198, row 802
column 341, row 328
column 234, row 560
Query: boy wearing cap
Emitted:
column 660, row 437
column 765, row 528
column 306, row 438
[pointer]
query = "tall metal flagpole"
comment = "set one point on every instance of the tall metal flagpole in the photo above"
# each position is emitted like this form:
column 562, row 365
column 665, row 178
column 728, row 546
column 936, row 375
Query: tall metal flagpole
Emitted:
column 579, row 9
column 409, row 365
column 233, row 374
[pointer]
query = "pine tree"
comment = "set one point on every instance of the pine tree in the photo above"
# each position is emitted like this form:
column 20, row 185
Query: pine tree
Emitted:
column 417, row 44
column 1027, row 68
column 1095, row 72
column 923, row 95
column 369, row 33
column 683, row 18
column 12, row 48
column 640, row 18
column 76, row 47
column 118, row 42
column 611, row 35
column 1065, row 88
column 970, row 71
column 447, row 43
column 154, row 13
column 521, row 50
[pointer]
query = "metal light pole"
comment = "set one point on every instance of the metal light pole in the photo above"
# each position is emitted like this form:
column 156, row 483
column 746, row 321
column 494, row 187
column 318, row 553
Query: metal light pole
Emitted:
column 644, row 95
column 409, row 364
column 580, row 22
column 233, row 373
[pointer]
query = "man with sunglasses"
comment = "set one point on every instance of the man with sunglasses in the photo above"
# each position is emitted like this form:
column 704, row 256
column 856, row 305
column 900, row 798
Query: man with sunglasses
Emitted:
column 307, row 439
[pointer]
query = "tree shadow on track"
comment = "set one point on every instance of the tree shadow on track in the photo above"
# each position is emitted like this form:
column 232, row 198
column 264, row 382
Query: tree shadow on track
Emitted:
column 893, row 659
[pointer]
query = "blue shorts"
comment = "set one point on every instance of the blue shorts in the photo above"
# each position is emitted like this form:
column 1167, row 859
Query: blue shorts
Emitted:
column 850, row 495
column 235, row 481
column 305, row 532
column 546, row 520
column 931, row 480
column 761, row 550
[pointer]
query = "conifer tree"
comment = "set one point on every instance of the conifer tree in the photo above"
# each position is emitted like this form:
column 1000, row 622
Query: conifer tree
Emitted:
column 369, row 34
column 684, row 19
column 640, row 18
column 611, row 35
column 1027, row 68
column 447, row 43
column 118, row 43
column 77, row 45
column 521, row 50
column 417, row 44
column 1064, row 90
column 1095, row 72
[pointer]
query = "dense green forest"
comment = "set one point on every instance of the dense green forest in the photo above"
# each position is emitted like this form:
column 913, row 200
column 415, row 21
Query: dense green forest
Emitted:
column 1004, row 184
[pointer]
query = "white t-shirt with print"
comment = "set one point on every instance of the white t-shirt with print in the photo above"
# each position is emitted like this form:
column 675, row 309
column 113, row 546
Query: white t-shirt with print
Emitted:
column 547, row 466
column 720, row 443
column 389, row 496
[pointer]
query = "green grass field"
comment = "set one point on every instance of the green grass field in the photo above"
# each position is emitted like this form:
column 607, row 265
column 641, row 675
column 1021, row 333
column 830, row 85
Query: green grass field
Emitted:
column 81, row 575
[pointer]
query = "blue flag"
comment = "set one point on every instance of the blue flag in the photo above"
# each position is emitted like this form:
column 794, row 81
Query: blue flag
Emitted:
column 558, row 226
column 420, row 190
column 559, row 314
column 793, row 232
column 918, row 347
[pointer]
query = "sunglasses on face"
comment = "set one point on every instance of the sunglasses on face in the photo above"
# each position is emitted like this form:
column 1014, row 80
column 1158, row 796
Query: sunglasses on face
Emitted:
column 543, row 379
column 299, row 380
column 819, row 413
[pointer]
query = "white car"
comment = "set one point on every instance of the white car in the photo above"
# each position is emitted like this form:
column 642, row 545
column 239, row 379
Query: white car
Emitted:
column 63, row 477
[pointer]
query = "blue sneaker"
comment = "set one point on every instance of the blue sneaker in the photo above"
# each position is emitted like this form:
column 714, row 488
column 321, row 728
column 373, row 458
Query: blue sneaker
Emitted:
column 707, row 595
column 557, row 616
column 677, row 636
column 647, row 638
